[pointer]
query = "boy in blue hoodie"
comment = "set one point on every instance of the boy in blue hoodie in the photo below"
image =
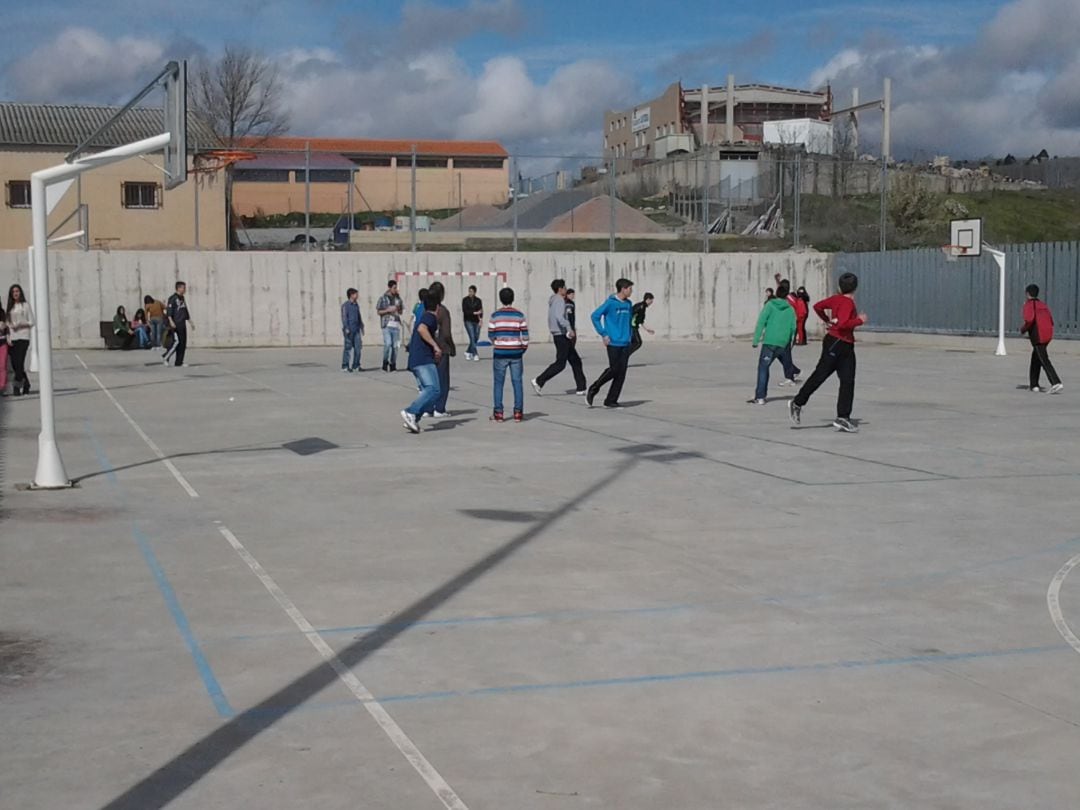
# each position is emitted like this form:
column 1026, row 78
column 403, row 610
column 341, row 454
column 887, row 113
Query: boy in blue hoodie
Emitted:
column 611, row 320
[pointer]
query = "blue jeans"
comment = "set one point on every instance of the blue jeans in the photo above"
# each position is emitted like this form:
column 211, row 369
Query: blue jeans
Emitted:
column 143, row 333
column 427, row 377
column 352, row 342
column 768, row 354
column 389, row 347
column 157, row 327
column 791, row 371
column 517, row 370
column 473, row 331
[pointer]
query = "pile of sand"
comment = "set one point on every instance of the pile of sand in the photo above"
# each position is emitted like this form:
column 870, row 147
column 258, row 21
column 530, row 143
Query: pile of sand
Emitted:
column 474, row 216
column 594, row 216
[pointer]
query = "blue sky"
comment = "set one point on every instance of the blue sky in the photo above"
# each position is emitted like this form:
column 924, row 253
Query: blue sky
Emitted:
column 976, row 76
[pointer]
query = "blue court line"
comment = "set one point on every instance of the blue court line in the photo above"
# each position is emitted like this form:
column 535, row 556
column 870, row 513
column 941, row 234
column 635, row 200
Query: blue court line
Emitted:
column 702, row 675
column 172, row 603
column 661, row 610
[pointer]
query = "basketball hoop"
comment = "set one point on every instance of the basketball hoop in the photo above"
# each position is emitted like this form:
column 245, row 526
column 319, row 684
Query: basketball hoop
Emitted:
column 218, row 159
column 954, row 252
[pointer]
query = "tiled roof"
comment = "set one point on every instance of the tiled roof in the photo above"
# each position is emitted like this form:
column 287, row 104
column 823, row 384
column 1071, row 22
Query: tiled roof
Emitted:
column 364, row 146
column 66, row 125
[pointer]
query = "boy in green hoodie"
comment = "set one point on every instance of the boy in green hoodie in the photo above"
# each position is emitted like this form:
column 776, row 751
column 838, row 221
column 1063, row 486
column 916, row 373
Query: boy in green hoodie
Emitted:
column 775, row 331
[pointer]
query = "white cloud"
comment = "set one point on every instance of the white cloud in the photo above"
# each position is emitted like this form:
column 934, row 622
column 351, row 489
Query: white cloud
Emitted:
column 81, row 65
column 1016, row 88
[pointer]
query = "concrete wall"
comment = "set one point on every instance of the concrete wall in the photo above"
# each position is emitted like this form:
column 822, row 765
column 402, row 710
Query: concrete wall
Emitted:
column 171, row 225
column 293, row 299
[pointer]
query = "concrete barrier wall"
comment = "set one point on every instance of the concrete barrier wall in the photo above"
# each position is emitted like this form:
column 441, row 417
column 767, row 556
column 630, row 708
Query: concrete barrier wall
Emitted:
column 293, row 299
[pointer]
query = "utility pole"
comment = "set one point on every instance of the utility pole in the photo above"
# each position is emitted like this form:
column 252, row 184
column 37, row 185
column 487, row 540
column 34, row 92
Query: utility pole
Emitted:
column 307, row 196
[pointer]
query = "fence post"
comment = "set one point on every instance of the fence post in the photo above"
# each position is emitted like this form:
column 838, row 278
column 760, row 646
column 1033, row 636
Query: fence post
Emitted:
column 412, row 207
column 884, row 198
column 307, row 196
column 797, row 192
column 705, row 205
column 515, row 190
column 611, row 196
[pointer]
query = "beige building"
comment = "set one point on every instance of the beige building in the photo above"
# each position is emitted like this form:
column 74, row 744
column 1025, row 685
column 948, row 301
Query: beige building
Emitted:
column 122, row 205
column 449, row 174
column 672, row 123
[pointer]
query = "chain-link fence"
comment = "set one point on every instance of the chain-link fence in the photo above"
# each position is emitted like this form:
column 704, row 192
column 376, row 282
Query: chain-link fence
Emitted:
column 720, row 199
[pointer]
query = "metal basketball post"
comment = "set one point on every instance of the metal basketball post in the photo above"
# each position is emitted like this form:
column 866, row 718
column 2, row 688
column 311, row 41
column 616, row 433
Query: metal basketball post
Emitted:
column 47, row 187
column 999, row 257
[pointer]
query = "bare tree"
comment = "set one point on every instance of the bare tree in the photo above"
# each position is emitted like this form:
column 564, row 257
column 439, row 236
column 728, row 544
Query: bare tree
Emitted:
column 239, row 95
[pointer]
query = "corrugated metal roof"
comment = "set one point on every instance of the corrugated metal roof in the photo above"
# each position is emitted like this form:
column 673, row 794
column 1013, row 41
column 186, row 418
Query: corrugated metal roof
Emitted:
column 295, row 160
column 66, row 125
column 367, row 146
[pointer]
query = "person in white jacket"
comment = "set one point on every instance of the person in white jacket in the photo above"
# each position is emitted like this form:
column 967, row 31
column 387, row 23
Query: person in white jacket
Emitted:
column 20, row 321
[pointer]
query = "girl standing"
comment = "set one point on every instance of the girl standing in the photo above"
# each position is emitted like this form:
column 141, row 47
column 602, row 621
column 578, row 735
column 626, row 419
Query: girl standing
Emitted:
column 20, row 320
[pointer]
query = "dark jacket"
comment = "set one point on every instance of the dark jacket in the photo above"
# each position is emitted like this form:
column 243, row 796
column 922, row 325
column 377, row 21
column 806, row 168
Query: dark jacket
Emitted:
column 443, row 335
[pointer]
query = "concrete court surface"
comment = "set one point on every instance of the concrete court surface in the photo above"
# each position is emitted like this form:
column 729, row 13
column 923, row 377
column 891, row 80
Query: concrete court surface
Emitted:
column 685, row 604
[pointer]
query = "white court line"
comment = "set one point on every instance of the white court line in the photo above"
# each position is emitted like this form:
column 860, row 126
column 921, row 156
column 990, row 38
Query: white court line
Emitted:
column 397, row 736
column 142, row 434
column 1053, row 601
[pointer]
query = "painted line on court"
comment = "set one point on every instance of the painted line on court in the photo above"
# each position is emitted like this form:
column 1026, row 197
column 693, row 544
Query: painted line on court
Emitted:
column 142, row 434
column 1053, row 602
column 397, row 735
column 172, row 602
column 722, row 674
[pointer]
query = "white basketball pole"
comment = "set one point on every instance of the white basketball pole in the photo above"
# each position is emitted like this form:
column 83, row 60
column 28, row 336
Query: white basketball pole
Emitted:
column 50, row 467
column 999, row 257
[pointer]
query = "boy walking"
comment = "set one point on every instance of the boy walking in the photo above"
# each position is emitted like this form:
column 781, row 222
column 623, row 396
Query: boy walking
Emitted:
column 564, row 337
column 508, row 332
column 352, row 327
column 611, row 320
column 775, row 331
column 424, row 355
column 1039, row 327
column 837, row 354
column 637, row 321
column 179, row 318
column 472, row 312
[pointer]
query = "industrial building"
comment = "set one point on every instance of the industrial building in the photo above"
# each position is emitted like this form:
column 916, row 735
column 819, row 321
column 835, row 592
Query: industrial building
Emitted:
column 122, row 205
column 449, row 174
column 673, row 123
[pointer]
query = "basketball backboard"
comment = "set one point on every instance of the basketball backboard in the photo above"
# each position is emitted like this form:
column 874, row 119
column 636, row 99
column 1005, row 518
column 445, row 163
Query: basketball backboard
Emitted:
column 965, row 238
column 176, row 165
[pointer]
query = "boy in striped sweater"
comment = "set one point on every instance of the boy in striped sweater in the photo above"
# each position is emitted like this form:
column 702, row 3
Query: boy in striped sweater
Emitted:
column 508, row 332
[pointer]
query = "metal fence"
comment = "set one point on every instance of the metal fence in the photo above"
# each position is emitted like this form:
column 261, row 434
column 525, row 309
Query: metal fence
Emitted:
column 921, row 291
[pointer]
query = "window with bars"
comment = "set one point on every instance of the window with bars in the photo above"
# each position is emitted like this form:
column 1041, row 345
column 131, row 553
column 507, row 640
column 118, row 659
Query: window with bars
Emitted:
column 18, row 193
column 141, row 195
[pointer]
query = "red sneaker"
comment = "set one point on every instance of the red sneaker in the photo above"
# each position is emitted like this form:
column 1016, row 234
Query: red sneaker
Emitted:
column 497, row 417
column 518, row 416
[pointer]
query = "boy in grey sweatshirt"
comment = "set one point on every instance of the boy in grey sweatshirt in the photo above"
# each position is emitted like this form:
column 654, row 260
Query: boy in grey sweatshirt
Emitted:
column 563, row 335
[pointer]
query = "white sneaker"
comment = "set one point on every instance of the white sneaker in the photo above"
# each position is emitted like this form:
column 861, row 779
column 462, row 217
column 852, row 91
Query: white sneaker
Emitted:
column 1057, row 389
column 756, row 401
column 469, row 356
column 440, row 414
column 1036, row 390
column 783, row 383
column 410, row 423
column 165, row 362
column 581, row 393
column 536, row 387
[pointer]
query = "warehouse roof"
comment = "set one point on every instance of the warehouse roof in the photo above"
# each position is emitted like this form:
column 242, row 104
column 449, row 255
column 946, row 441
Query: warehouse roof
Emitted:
column 295, row 160
column 66, row 125
column 366, row 146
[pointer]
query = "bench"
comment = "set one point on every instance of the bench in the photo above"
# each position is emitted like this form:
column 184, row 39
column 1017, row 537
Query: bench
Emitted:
column 114, row 341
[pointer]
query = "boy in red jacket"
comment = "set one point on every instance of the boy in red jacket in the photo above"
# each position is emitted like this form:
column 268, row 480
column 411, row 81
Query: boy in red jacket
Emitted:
column 1039, row 327
column 837, row 354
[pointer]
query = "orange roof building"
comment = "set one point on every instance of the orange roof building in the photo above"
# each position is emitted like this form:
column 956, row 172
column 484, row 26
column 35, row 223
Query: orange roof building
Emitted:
column 449, row 174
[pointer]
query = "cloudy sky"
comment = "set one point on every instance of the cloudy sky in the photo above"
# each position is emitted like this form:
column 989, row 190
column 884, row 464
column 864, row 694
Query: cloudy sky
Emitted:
column 971, row 77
